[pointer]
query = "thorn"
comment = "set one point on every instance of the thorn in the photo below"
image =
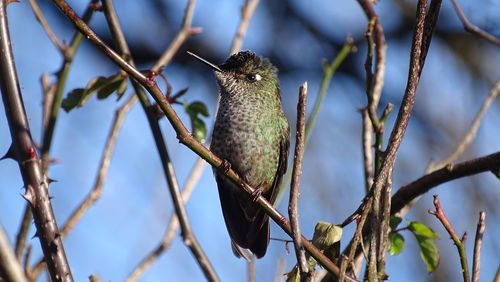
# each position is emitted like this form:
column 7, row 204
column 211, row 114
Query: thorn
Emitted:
column 28, row 196
column 464, row 238
column 11, row 153
column 50, row 180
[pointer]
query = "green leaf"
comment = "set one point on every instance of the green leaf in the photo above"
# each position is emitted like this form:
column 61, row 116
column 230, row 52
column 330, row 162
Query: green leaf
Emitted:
column 110, row 85
column 196, row 108
column 428, row 251
column 421, row 229
column 198, row 127
column 394, row 222
column 122, row 87
column 396, row 243
column 75, row 98
column 103, row 86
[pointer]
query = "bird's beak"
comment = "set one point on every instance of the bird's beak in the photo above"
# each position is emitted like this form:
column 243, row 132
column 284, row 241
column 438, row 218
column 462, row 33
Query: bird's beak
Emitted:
column 213, row 66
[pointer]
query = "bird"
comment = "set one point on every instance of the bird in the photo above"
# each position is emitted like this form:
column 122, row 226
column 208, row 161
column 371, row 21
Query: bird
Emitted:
column 251, row 135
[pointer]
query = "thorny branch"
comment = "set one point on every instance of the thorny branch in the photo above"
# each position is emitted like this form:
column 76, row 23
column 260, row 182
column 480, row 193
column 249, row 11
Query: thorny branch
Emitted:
column 188, row 236
column 185, row 137
column 23, row 150
column 102, row 172
column 199, row 165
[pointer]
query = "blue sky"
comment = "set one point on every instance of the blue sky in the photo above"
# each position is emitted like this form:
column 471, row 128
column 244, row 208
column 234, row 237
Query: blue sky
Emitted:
column 130, row 217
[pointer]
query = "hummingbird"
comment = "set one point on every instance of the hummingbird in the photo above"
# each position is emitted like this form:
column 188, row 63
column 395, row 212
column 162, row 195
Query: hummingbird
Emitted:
column 251, row 135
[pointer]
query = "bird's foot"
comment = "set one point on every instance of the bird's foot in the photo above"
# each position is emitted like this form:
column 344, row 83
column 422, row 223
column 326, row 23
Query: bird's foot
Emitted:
column 256, row 194
column 225, row 166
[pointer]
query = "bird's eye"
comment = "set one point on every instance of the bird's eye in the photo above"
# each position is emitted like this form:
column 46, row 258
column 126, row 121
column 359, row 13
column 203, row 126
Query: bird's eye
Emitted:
column 253, row 77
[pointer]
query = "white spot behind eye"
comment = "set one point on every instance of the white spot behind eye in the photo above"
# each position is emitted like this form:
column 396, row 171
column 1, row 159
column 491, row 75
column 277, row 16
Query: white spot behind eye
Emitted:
column 258, row 77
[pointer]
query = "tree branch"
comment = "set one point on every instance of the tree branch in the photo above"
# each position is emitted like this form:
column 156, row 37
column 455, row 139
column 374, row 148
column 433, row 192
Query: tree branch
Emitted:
column 407, row 193
column 305, row 273
column 24, row 152
column 184, row 135
column 197, row 169
column 478, row 242
column 10, row 267
column 468, row 26
column 439, row 213
column 188, row 236
column 246, row 14
column 471, row 133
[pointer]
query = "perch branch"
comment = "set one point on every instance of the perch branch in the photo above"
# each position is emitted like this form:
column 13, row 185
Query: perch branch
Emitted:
column 184, row 135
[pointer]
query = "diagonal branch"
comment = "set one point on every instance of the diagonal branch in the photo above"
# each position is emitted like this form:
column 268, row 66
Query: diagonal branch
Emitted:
column 187, row 234
column 184, row 135
column 471, row 133
column 468, row 26
column 439, row 213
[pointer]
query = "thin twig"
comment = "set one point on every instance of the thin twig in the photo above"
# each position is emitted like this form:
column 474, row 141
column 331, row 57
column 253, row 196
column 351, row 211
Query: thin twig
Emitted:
column 305, row 273
column 246, row 14
column 39, row 16
column 193, row 177
column 102, row 171
column 10, row 267
column 25, row 153
column 328, row 72
column 468, row 26
column 170, row 232
column 374, row 85
column 471, row 133
column 23, row 231
column 62, row 75
column 478, row 242
column 352, row 248
column 184, row 33
column 425, row 23
column 50, row 112
column 185, row 137
column 188, row 236
column 407, row 193
column 439, row 213
column 367, row 149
